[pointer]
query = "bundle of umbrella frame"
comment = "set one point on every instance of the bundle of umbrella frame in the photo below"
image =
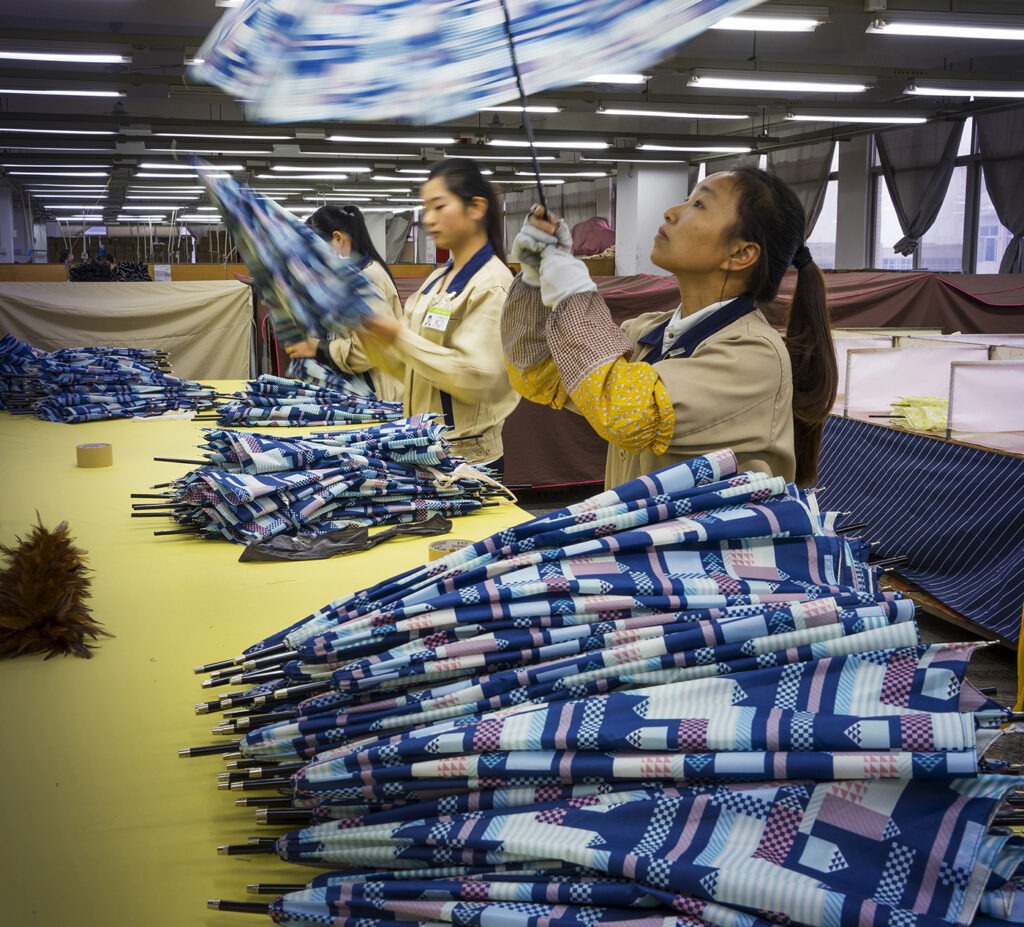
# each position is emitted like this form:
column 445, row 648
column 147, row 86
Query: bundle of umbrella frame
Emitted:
column 88, row 384
column 684, row 701
column 252, row 487
column 272, row 400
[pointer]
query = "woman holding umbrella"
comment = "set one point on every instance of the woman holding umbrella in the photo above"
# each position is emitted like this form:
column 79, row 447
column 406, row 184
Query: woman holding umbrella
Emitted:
column 712, row 373
column 344, row 229
column 448, row 346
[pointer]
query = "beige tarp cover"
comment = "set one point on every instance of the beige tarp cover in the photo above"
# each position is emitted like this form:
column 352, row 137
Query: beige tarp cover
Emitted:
column 204, row 326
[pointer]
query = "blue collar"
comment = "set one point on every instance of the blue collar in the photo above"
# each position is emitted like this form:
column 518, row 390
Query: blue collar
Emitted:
column 469, row 269
column 689, row 340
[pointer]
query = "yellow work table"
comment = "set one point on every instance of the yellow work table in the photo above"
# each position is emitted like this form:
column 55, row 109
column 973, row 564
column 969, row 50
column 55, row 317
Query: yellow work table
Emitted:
column 102, row 822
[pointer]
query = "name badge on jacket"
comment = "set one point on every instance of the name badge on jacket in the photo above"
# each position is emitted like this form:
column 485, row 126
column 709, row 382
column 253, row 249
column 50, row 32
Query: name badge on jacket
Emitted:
column 439, row 314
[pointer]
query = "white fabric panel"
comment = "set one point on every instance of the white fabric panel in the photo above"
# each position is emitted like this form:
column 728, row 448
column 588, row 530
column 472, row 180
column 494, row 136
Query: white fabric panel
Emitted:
column 204, row 326
column 845, row 343
column 987, row 396
column 875, row 378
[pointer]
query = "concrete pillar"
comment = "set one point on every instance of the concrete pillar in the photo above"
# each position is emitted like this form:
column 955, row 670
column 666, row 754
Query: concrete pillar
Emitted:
column 7, row 241
column 643, row 193
column 854, row 204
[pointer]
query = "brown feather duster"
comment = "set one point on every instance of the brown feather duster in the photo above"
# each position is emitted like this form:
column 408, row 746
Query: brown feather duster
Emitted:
column 42, row 597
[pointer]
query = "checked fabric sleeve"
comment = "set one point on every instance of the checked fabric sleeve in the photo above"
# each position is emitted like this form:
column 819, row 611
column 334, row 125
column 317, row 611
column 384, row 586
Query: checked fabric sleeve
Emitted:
column 531, row 368
column 625, row 402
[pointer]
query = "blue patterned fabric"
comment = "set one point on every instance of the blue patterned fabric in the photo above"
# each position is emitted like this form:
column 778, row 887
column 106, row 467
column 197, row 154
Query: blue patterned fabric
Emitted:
column 259, row 486
column 365, row 60
column 75, row 385
column 683, row 702
column 274, row 400
column 955, row 511
column 311, row 285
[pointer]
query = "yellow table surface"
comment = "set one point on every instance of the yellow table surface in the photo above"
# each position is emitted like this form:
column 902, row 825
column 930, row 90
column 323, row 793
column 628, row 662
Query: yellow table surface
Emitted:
column 102, row 822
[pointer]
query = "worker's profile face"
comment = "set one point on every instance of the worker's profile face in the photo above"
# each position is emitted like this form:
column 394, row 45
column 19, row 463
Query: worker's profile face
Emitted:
column 692, row 238
column 447, row 218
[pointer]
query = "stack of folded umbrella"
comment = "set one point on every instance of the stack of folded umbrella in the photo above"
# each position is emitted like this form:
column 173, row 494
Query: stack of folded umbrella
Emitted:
column 274, row 400
column 685, row 701
column 310, row 370
column 253, row 486
column 93, row 383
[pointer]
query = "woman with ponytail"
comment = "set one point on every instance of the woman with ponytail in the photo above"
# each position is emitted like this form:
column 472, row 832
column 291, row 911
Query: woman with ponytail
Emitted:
column 447, row 348
column 710, row 374
column 344, row 229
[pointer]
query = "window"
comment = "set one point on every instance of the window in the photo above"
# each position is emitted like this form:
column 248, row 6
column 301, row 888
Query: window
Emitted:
column 942, row 246
column 993, row 237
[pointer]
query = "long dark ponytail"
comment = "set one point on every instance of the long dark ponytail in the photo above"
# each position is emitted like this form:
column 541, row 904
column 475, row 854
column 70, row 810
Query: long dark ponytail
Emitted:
column 463, row 178
column 771, row 215
column 349, row 221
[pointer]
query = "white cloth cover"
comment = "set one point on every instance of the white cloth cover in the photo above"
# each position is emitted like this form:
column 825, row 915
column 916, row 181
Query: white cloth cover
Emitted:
column 203, row 325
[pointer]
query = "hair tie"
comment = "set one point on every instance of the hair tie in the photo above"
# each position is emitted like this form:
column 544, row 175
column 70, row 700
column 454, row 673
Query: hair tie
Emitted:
column 802, row 258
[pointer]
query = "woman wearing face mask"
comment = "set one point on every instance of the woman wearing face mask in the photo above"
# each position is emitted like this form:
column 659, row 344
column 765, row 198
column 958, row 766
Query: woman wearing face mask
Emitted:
column 712, row 373
column 344, row 229
column 447, row 348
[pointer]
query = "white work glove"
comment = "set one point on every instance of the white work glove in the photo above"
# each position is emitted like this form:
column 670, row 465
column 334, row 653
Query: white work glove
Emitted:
column 530, row 244
column 561, row 275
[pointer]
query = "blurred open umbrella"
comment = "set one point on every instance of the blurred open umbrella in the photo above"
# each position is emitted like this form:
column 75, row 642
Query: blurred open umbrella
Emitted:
column 366, row 60
column 309, row 282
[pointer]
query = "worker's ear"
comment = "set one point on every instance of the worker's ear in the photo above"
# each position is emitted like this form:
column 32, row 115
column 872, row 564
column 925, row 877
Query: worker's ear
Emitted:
column 743, row 256
column 477, row 208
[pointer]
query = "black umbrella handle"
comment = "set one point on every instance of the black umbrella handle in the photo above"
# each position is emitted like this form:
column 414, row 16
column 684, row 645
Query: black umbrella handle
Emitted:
column 527, row 125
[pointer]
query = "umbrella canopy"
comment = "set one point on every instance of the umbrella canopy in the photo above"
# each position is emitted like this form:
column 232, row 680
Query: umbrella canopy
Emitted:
column 317, row 289
column 366, row 60
column 274, row 400
column 685, row 701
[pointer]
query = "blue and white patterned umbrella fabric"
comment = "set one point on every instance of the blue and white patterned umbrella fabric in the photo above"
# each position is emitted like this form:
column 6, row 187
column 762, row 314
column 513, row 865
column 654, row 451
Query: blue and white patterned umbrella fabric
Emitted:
column 683, row 701
column 317, row 289
column 74, row 385
column 309, row 370
column 259, row 486
column 430, row 60
column 274, row 400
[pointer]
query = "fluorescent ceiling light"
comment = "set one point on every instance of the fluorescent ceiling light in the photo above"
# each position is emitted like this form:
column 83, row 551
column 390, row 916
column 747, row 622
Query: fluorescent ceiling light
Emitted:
column 397, row 140
column 196, row 217
column 141, row 218
column 675, row 161
column 547, row 182
column 10, row 148
column 775, row 81
column 59, row 173
column 723, row 149
column 563, row 174
column 486, row 171
column 149, row 166
column 405, row 199
column 60, row 131
column 240, row 138
column 579, row 144
column 956, row 88
column 73, row 58
column 79, row 218
column 880, row 118
column 412, row 170
column 368, row 191
column 298, row 168
column 62, row 93
column 47, row 167
column 338, row 198
column 303, row 177
column 173, row 197
column 521, row 109
column 390, row 155
column 159, row 176
column 146, row 188
column 666, row 114
column 616, row 79
column 148, row 208
column 68, row 196
column 220, row 152
column 777, row 19
column 941, row 26
column 77, row 206
column 499, row 156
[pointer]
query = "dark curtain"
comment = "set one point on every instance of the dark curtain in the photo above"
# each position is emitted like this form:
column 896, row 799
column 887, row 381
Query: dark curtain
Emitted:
column 1001, row 140
column 806, row 169
column 917, row 163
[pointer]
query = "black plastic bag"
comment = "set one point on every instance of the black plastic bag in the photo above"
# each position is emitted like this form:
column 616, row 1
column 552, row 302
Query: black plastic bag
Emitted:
column 346, row 541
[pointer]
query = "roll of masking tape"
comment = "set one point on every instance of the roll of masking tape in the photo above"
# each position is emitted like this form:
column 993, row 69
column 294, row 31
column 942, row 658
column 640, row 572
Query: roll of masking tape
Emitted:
column 95, row 455
column 438, row 549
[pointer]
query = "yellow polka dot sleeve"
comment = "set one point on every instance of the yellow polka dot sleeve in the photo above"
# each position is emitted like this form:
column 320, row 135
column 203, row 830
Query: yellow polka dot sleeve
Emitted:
column 628, row 405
